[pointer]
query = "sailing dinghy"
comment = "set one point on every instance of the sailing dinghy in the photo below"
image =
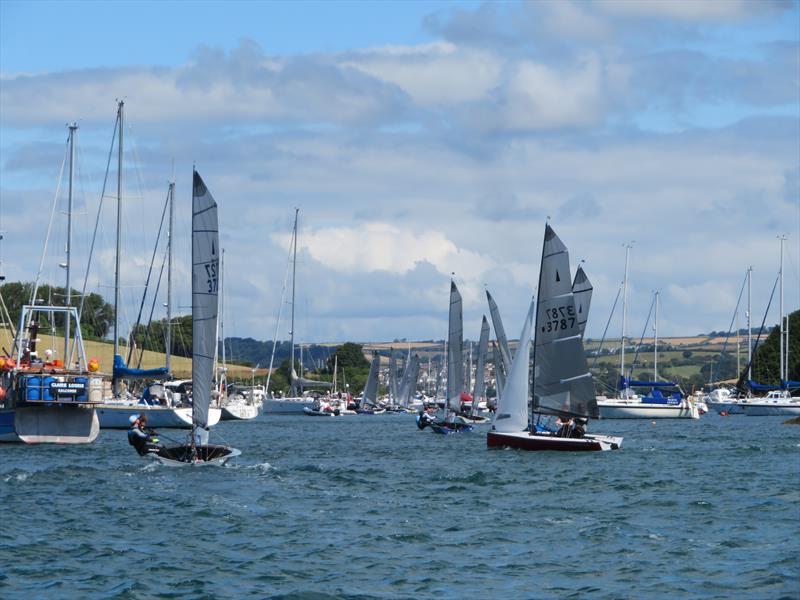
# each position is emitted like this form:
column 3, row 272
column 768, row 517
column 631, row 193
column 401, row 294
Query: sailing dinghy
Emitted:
column 454, row 421
column 562, row 384
column 205, row 272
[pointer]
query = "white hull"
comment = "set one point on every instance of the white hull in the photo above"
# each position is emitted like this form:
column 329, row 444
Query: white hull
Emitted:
column 239, row 412
column 731, row 407
column 49, row 425
column 633, row 409
column 787, row 407
column 287, row 406
column 117, row 416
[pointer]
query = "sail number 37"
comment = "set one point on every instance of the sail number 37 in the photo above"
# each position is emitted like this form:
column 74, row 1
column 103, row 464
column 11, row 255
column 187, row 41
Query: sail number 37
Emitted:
column 560, row 317
column 211, row 271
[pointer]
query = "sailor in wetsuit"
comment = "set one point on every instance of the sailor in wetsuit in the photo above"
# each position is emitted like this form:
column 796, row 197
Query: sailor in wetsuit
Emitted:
column 141, row 437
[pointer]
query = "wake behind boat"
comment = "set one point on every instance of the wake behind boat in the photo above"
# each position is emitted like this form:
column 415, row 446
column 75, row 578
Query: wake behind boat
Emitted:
column 563, row 385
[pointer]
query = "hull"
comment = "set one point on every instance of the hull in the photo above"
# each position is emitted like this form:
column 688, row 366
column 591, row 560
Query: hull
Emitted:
column 543, row 441
column 788, row 407
column 49, row 425
column 238, row 412
column 730, row 407
column 286, row 406
column 116, row 416
column 620, row 409
column 321, row 413
column 208, row 455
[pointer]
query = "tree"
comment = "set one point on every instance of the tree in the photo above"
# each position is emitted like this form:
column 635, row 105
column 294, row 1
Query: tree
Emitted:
column 687, row 354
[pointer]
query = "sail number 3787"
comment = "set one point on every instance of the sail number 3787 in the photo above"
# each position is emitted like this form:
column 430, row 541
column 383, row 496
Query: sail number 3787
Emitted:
column 560, row 317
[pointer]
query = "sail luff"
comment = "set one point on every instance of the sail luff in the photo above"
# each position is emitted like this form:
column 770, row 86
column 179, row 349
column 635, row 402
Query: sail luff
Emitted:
column 205, row 269
column 479, row 391
column 499, row 378
column 455, row 357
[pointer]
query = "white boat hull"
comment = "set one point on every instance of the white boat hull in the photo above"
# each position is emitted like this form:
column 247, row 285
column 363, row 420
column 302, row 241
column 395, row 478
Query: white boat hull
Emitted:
column 239, row 412
column 117, row 416
column 622, row 409
column 773, row 409
column 49, row 425
column 286, row 406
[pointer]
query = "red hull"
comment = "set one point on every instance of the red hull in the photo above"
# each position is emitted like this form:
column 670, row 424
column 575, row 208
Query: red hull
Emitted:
column 524, row 441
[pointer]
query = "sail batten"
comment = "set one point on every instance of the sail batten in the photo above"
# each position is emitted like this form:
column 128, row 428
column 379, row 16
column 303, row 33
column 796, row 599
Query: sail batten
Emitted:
column 205, row 270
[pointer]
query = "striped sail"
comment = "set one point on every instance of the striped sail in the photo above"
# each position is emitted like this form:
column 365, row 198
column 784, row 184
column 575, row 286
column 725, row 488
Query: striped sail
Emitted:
column 205, row 279
column 455, row 355
column 512, row 405
column 562, row 382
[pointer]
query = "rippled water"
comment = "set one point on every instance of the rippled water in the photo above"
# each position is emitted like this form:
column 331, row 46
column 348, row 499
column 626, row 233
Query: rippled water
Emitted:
column 370, row 507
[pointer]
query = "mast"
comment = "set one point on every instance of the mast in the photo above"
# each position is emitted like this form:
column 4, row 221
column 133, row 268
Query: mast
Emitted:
column 749, row 326
column 168, row 341
column 624, row 312
column 782, row 238
column 68, row 297
column 655, row 342
column 294, row 279
column 120, row 108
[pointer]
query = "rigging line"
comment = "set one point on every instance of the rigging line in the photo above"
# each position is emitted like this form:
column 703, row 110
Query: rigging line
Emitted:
column 49, row 226
column 278, row 322
column 146, row 338
column 605, row 331
column 641, row 339
column 740, row 383
column 727, row 337
column 97, row 220
column 149, row 273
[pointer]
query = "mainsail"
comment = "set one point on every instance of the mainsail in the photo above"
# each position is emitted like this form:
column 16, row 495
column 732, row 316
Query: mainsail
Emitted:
column 393, row 376
column 582, row 290
column 455, row 359
column 500, row 333
column 205, row 269
column 512, row 406
column 408, row 383
column 370, row 395
column 500, row 380
column 479, row 391
column 562, row 382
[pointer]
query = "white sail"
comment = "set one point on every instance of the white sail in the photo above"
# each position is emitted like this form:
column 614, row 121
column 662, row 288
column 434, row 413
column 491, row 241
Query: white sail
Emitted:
column 512, row 405
column 500, row 333
column 370, row 395
column 582, row 290
column 205, row 269
column 455, row 358
column 393, row 376
column 562, row 382
column 479, row 391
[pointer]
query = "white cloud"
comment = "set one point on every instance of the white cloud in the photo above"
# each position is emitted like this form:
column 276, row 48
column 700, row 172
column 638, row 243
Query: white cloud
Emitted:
column 690, row 10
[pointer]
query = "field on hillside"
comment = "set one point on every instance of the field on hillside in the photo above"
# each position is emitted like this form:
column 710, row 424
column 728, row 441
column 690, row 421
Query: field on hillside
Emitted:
column 104, row 353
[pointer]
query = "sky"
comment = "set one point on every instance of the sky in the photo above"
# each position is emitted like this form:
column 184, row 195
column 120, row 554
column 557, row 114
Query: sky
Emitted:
column 420, row 141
